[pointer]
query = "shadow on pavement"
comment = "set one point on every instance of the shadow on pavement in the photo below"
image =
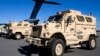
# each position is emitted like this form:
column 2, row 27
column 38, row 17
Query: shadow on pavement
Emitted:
column 12, row 37
column 9, row 37
column 29, row 50
column 68, row 50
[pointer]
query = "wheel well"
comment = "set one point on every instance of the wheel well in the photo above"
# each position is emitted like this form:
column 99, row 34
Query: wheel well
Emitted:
column 18, row 33
column 92, row 35
column 59, row 36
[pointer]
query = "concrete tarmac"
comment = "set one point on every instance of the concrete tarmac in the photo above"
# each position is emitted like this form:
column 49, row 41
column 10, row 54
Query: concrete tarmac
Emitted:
column 11, row 47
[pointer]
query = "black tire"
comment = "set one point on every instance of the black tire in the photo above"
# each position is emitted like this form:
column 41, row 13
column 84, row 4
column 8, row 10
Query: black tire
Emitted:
column 91, row 43
column 54, row 46
column 18, row 36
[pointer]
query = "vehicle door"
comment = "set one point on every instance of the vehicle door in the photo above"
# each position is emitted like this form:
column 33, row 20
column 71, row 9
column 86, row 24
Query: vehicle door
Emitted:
column 70, row 28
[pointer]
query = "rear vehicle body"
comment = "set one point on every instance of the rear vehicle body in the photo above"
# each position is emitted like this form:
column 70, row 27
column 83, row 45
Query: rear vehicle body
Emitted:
column 68, row 28
column 20, row 29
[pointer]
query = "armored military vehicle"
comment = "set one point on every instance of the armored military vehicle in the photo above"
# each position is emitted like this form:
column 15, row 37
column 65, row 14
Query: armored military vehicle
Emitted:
column 20, row 29
column 68, row 28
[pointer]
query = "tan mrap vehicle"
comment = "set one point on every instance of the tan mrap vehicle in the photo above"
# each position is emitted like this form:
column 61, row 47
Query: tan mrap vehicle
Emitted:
column 20, row 29
column 65, row 29
column 3, row 30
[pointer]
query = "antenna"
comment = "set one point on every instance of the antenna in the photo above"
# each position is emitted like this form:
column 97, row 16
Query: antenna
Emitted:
column 90, row 14
column 38, row 5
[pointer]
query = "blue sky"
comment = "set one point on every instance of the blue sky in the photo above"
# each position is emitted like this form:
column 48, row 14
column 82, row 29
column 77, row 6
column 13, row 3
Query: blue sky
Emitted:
column 17, row 10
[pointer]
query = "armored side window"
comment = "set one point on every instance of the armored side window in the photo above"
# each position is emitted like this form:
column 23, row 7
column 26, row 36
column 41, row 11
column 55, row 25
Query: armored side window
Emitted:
column 25, row 24
column 55, row 18
column 88, row 19
column 80, row 18
column 19, row 24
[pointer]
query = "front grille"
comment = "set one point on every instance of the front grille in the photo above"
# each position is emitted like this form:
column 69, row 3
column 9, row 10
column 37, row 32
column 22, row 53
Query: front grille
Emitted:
column 37, row 30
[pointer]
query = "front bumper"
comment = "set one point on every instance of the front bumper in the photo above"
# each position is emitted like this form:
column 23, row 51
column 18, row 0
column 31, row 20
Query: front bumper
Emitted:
column 2, row 33
column 34, row 41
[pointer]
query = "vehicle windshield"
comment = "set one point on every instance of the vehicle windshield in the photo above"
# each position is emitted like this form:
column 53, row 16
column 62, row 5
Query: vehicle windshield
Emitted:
column 54, row 18
column 35, row 21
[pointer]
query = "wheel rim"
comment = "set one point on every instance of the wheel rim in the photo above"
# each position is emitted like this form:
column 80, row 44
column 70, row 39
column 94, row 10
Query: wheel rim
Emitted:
column 18, row 36
column 93, row 43
column 58, row 49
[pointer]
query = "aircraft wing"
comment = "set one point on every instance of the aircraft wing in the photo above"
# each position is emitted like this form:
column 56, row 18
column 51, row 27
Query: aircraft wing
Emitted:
column 50, row 2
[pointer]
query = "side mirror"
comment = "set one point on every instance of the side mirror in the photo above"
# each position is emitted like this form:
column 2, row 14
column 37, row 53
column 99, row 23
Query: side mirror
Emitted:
column 69, row 21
